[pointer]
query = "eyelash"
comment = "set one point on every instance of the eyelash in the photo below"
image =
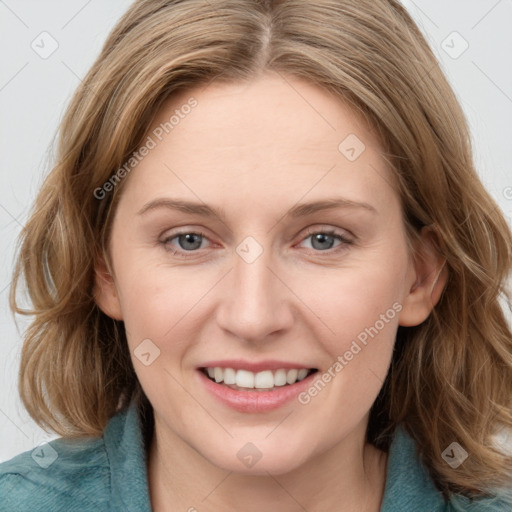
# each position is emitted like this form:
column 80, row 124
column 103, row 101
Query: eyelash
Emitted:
column 331, row 232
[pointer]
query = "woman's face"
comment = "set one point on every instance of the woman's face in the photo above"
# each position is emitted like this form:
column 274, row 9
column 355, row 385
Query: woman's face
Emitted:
column 273, row 281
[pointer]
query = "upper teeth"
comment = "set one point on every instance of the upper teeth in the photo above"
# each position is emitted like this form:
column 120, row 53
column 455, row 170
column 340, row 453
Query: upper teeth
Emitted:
column 261, row 380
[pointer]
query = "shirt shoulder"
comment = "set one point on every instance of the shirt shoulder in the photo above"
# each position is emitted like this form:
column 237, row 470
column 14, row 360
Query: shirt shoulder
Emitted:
column 89, row 474
column 62, row 475
column 500, row 502
column 409, row 486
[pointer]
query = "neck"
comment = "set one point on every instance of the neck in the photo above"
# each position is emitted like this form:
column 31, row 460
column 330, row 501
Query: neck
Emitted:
column 348, row 478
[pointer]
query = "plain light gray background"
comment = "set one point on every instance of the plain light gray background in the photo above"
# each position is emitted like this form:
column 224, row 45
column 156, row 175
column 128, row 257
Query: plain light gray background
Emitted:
column 34, row 92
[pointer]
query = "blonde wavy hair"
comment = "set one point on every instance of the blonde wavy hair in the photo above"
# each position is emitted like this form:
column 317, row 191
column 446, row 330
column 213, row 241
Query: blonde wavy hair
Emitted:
column 450, row 378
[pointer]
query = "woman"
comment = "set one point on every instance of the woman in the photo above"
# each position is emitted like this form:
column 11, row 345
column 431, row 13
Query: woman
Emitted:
column 254, row 369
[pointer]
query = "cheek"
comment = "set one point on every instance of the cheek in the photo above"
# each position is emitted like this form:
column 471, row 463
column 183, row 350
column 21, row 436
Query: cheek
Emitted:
column 362, row 312
column 155, row 298
column 355, row 300
column 157, row 326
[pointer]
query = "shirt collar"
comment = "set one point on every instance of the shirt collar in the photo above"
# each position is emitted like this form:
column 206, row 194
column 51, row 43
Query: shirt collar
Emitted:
column 127, row 457
column 408, row 485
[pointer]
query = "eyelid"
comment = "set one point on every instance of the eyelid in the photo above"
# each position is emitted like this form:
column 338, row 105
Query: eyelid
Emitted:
column 319, row 228
column 338, row 233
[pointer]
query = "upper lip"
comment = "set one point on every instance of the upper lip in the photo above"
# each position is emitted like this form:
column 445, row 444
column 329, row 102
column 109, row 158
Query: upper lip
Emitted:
column 253, row 366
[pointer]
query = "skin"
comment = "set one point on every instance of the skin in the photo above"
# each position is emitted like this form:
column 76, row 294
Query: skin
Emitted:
column 256, row 150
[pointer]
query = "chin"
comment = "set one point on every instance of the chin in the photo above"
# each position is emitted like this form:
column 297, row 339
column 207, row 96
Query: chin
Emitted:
column 259, row 458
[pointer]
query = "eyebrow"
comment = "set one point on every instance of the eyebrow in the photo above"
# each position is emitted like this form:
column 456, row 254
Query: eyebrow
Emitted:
column 300, row 210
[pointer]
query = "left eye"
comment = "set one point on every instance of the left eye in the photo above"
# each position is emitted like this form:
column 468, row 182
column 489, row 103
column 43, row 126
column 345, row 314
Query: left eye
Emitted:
column 189, row 241
column 324, row 240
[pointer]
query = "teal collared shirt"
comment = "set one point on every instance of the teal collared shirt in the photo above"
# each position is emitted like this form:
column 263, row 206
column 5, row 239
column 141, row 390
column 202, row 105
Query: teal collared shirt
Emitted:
column 109, row 474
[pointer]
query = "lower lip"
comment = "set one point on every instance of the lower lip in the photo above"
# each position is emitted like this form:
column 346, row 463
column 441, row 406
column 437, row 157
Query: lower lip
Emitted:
column 255, row 401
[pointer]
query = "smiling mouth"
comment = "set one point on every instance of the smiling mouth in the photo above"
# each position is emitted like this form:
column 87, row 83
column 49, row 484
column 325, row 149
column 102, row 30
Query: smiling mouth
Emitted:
column 245, row 380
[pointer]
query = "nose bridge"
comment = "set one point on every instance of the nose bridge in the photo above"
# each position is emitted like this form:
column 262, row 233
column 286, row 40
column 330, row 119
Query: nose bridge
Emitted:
column 254, row 304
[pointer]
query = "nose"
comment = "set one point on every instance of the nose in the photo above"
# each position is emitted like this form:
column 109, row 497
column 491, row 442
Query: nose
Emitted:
column 256, row 303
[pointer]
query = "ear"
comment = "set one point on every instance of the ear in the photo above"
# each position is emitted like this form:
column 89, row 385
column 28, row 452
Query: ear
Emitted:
column 104, row 291
column 429, row 279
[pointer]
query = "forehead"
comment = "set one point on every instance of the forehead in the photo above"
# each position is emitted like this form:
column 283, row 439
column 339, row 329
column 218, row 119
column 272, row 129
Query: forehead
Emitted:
column 262, row 139
column 272, row 108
